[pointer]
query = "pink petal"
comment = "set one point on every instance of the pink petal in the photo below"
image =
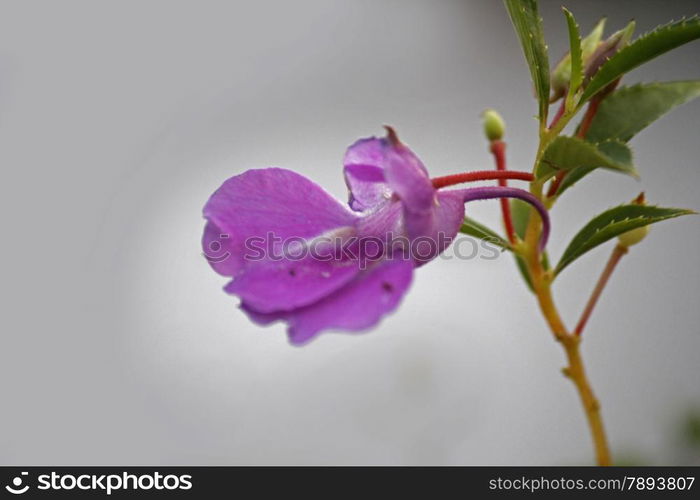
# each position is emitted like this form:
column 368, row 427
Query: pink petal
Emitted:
column 364, row 173
column 359, row 305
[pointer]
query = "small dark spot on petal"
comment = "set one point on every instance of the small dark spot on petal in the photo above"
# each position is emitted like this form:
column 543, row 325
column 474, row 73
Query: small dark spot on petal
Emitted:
column 388, row 287
column 292, row 272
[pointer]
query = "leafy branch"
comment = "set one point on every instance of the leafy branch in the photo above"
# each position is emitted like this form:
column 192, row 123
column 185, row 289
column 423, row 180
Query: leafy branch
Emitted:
column 589, row 73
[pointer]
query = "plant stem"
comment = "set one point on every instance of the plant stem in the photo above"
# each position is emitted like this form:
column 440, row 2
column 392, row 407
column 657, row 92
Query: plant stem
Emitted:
column 588, row 117
column 541, row 284
column 575, row 371
column 618, row 252
column 498, row 149
column 559, row 114
column 541, row 281
column 479, row 175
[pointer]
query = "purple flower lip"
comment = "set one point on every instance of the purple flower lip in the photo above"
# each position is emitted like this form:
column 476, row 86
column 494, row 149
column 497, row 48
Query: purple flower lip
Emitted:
column 347, row 284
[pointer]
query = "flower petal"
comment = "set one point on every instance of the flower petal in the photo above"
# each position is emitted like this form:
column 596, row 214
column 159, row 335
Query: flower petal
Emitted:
column 408, row 178
column 360, row 304
column 267, row 204
column 261, row 226
column 271, row 285
column 432, row 232
column 376, row 168
column 364, row 173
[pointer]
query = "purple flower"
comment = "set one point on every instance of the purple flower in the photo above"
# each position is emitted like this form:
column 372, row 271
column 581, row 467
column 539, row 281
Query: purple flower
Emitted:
column 298, row 255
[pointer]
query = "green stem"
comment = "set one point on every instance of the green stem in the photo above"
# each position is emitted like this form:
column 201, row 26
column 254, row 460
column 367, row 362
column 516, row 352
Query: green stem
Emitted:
column 541, row 282
column 575, row 370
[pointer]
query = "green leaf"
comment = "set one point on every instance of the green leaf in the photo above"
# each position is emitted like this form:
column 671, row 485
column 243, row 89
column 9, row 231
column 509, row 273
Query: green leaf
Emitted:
column 568, row 153
column 576, row 54
column 528, row 26
column 560, row 79
column 612, row 223
column 520, row 213
column 643, row 49
column 630, row 109
column 615, row 150
column 522, row 267
column 478, row 230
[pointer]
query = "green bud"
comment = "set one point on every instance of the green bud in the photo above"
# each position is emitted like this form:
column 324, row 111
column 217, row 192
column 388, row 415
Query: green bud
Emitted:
column 590, row 43
column 494, row 126
column 606, row 49
column 561, row 74
column 635, row 235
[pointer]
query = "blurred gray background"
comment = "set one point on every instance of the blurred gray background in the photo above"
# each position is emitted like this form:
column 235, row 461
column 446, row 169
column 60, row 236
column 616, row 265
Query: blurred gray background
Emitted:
column 117, row 344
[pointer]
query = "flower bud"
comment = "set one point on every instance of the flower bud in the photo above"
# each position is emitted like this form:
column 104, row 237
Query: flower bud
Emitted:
column 606, row 49
column 589, row 44
column 635, row 235
column 494, row 126
column 561, row 75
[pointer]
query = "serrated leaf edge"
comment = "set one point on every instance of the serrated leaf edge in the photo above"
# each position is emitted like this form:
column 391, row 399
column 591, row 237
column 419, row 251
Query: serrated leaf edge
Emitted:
column 642, row 86
column 562, row 264
column 680, row 22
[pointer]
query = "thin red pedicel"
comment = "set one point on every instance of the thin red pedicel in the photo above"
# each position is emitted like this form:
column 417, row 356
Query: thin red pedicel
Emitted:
column 480, row 175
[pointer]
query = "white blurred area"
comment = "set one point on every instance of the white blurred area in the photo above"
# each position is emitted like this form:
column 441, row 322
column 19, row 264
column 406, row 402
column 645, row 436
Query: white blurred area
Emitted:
column 119, row 119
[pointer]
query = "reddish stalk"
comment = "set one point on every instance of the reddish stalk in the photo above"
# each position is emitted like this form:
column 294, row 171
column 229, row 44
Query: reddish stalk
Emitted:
column 554, row 186
column 498, row 149
column 560, row 113
column 588, row 118
column 480, row 175
column 618, row 252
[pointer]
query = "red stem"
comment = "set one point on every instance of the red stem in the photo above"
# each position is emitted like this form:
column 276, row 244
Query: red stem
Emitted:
column 554, row 186
column 498, row 149
column 480, row 175
column 618, row 252
column 588, row 118
column 560, row 113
